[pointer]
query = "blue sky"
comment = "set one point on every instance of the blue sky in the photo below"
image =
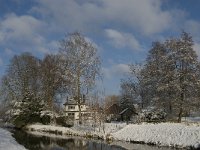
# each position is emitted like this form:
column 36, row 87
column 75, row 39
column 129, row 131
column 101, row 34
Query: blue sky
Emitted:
column 122, row 30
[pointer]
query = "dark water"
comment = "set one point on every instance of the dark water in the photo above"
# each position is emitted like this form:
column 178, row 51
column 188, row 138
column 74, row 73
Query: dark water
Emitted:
column 36, row 142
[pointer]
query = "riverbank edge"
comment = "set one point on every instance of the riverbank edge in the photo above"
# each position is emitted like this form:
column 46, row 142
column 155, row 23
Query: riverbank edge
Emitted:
column 57, row 130
column 8, row 142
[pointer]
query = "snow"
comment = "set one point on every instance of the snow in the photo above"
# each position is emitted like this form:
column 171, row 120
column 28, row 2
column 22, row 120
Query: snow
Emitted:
column 164, row 134
column 84, row 131
column 7, row 142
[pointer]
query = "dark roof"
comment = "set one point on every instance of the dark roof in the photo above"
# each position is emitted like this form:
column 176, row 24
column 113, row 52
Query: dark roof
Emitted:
column 114, row 104
column 123, row 111
column 70, row 102
column 74, row 111
column 113, row 109
column 126, row 109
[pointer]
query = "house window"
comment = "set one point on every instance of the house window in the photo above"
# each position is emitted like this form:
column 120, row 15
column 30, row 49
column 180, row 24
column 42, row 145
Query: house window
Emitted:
column 71, row 114
column 71, row 107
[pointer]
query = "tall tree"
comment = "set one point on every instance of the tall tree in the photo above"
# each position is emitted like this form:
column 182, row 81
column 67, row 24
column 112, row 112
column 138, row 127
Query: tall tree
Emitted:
column 82, row 67
column 153, row 72
column 186, row 74
column 51, row 78
column 170, row 77
column 22, row 76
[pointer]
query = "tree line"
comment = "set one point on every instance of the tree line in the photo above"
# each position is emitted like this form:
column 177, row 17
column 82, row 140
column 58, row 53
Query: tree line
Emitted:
column 32, row 85
column 168, row 80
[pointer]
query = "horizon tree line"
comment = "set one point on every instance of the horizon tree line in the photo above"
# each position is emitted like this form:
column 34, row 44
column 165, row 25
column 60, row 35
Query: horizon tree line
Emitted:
column 30, row 82
column 169, row 79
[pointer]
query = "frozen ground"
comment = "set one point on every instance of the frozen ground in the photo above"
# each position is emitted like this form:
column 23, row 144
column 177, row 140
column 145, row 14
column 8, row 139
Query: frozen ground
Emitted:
column 7, row 142
column 85, row 131
column 165, row 134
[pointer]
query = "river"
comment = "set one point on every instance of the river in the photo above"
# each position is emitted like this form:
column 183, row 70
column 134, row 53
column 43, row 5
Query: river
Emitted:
column 42, row 142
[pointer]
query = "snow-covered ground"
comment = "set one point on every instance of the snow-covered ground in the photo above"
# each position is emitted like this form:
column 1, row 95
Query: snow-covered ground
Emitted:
column 164, row 134
column 7, row 142
column 84, row 131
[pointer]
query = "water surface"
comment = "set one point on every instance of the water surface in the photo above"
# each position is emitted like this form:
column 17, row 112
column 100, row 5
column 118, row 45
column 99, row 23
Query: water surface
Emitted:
column 44, row 142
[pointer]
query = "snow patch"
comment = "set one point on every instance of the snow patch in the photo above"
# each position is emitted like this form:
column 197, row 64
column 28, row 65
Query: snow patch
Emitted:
column 7, row 142
column 165, row 134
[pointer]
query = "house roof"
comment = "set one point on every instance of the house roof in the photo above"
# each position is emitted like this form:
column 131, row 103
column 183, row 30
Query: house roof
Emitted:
column 71, row 102
column 74, row 111
column 126, row 109
column 113, row 109
column 114, row 104
column 123, row 111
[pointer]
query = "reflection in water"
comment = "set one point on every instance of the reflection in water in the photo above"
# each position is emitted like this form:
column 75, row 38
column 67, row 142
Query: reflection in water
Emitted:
column 33, row 142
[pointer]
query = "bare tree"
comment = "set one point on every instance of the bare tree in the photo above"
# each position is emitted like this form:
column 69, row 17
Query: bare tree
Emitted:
column 51, row 78
column 82, row 65
column 22, row 77
column 170, row 77
column 186, row 81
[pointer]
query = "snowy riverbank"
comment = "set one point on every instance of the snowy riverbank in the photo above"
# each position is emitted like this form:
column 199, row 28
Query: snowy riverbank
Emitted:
column 7, row 142
column 163, row 134
column 84, row 131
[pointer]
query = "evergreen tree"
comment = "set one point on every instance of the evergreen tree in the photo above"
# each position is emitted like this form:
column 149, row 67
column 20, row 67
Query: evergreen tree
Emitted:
column 22, row 77
column 27, row 110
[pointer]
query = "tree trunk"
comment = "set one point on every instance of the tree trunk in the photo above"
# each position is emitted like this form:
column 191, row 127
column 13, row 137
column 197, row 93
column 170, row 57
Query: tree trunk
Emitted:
column 181, row 107
column 180, row 114
column 78, row 97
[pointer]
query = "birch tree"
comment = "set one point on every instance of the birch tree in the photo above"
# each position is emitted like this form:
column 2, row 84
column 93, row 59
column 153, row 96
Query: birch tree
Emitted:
column 82, row 67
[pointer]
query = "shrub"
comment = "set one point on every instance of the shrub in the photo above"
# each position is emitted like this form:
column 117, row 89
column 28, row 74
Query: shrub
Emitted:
column 152, row 115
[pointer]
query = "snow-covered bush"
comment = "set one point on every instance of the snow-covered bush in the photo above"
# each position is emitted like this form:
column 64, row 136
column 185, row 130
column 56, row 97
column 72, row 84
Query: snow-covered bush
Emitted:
column 26, row 111
column 51, row 117
column 152, row 115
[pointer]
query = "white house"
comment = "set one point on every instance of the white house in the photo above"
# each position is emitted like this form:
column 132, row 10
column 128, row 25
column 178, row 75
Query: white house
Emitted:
column 72, row 111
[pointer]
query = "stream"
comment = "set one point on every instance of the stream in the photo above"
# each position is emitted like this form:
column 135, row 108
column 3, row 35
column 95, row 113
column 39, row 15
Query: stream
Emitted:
column 43, row 142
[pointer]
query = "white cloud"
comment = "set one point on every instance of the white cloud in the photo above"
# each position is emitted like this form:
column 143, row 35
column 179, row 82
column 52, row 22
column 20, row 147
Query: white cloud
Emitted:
column 24, row 33
column 115, row 70
column 121, row 39
column 22, row 27
column 147, row 16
